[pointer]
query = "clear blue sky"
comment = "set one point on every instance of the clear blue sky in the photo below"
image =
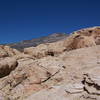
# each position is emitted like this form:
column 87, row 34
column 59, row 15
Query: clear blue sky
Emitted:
column 27, row 19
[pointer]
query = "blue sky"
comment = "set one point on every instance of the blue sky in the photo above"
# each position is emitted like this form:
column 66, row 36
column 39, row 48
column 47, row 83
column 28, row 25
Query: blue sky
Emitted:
column 27, row 19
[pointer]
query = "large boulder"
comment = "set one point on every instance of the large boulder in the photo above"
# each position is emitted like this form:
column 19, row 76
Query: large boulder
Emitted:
column 7, row 65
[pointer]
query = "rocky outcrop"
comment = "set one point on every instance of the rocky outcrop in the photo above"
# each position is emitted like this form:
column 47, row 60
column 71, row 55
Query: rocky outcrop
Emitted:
column 64, row 70
column 6, row 51
column 45, row 50
column 92, row 83
column 7, row 65
column 3, row 53
column 79, row 39
column 87, row 89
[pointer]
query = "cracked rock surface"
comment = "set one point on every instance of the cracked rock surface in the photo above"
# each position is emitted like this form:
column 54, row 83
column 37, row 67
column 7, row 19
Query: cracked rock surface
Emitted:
column 63, row 70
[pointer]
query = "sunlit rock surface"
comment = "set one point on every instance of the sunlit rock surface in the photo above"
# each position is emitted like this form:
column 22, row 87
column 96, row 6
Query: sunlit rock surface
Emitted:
column 64, row 70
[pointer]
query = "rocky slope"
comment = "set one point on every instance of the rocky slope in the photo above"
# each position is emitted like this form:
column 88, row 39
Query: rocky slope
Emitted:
column 34, row 42
column 64, row 70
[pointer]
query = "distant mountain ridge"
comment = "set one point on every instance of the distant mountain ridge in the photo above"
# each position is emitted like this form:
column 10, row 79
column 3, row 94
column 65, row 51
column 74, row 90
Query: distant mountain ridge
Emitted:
column 36, row 41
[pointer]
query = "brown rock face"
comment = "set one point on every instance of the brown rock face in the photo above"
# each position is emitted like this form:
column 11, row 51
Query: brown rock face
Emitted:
column 7, row 65
column 64, row 70
column 6, row 51
column 3, row 53
column 79, row 39
column 49, row 49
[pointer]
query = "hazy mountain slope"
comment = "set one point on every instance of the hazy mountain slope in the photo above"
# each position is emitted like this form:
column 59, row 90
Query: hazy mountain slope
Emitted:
column 34, row 42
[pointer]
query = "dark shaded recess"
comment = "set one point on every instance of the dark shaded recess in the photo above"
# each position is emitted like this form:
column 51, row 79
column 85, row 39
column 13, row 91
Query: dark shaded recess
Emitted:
column 50, row 53
column 90, row 31
column 7, row 71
